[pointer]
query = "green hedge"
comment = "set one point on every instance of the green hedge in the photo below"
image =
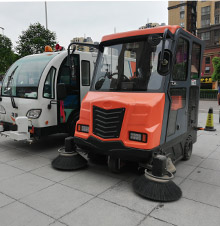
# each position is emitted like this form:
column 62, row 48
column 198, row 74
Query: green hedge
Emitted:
column 208, row 94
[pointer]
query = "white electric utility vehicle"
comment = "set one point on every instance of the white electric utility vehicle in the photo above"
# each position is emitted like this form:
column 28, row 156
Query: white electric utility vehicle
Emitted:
column 41, row 93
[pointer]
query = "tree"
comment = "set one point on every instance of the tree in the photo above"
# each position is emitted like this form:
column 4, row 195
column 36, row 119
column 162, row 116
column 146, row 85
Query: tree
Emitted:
column 7, row 56
column 34, row 39
column 216, row 65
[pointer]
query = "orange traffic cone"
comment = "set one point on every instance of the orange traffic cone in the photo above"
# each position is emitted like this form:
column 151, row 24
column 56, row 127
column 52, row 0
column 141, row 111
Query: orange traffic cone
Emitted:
column 209, row 122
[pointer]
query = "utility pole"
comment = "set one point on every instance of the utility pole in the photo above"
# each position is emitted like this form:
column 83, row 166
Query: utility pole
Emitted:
column 46, row 14
column 2, row 30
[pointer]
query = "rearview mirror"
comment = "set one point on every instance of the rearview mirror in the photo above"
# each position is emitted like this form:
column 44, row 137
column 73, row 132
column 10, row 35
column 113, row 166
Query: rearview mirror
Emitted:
column 163, row 67
column 61, row 91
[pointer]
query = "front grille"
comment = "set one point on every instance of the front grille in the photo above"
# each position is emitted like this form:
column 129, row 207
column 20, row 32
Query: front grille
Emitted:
column 107, row 123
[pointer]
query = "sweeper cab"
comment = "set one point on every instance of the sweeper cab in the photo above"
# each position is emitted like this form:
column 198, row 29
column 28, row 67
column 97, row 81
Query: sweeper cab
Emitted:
column 144, row 96
column 41, row 94
column 143, row 104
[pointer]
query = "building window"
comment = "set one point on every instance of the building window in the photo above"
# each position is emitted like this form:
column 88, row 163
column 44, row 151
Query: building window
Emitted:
column 206, row 10
column 217, row 12
column 205, row 22
column 216, row 19
column 207, row 70
column 217, row 37
column 207, row 60
column 182, row 8
column 205, row 36
column 182, row 25
column 182, row 15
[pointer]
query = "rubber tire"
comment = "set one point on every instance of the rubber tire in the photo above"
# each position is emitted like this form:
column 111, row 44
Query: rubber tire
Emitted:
column 187, row 153
column 113, row 165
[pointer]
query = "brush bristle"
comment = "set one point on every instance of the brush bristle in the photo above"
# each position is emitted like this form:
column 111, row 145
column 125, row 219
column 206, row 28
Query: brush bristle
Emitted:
column 72, row 162
column 157, row 191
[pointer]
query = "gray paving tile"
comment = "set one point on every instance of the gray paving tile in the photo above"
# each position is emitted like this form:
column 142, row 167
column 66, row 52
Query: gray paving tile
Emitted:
column 52, row 174
column 177, row 180
column 205, row 145
column 12, row 154
column 5, row 200
column 57, row 223
column 56, row 200
column 100, row 212
column 187, row 212
column 29, row 163
column 17, row 214
column 2, row 147
column 209, row 194
column 183, row 170
column 150, row 221
column 213, row 164
column 91, row 182
column 215, row 154
column 123, row 195
column 8, row 171
column 206, row 176
column 194, row 160
column 23, row 185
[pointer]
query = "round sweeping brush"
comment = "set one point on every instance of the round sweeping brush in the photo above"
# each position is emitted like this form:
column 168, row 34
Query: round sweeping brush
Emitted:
column 157, row 186
column 68, row 158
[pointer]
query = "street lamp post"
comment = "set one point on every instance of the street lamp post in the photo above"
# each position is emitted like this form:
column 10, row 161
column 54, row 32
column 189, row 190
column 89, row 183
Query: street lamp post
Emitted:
column 2, row 30
column 46, row 14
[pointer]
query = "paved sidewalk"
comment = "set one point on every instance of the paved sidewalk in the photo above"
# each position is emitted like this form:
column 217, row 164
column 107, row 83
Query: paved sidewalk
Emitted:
column 34, row 194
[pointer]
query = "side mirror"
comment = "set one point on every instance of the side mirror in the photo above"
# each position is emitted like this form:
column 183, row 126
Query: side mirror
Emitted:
column 163, row 67
column 61, row 91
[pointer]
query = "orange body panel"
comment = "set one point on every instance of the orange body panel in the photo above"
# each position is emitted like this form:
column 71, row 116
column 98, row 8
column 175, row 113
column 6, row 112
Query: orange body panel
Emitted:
column 176, row 103
column 144, row 114
column 156, row 30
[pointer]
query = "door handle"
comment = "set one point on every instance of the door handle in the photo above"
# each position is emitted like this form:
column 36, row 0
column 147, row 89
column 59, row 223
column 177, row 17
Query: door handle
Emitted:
column 173, row 83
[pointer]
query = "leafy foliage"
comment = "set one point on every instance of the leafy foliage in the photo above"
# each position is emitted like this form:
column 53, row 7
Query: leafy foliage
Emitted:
column 216, row 65
column 34, row 39
column 7, row 56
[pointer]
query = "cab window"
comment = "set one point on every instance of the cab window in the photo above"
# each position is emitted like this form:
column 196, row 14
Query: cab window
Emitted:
column 85, row 67
column 48, row 91
column 195, row 65
column 181, row 62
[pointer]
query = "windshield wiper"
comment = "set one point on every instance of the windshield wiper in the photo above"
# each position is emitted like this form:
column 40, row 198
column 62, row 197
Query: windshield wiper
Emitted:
column 10, row 78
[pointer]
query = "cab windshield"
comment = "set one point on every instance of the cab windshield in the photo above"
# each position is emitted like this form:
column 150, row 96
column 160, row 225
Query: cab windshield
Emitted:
column 22, row 78
column 129, row 66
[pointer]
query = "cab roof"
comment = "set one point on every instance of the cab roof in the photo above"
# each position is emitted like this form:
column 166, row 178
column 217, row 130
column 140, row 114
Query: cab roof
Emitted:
column 140, row 32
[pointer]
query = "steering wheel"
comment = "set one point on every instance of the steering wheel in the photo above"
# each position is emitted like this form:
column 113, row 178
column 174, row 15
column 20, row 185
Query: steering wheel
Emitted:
column 125, row 78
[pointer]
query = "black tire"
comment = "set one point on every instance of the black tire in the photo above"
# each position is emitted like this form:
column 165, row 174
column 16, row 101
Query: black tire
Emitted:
column 187, row 149
column 114, row 164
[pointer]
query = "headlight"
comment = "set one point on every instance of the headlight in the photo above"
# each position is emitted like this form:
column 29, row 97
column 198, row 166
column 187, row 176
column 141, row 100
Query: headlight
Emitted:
column 140, row 137
column 34, row 113
column 2, row 110
column 83, row 128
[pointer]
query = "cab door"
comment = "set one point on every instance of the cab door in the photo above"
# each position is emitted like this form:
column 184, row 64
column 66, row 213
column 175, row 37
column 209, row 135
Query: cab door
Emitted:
column 179, row 92
column 69, row 77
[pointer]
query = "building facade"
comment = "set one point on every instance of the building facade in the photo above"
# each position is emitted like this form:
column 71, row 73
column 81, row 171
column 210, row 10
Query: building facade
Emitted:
column 84, row 40
column 182, row 13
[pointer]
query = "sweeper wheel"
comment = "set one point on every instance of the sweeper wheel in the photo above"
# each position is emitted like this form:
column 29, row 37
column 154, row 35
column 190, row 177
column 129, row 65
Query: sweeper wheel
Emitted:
column 187, row 149
column 114, row 164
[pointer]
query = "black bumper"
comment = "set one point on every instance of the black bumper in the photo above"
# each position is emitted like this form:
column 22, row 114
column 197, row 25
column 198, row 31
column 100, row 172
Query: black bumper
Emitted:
column 9, row 126
column 114, row 148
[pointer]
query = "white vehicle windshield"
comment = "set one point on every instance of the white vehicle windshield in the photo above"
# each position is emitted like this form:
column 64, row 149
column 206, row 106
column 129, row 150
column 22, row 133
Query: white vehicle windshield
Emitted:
column 22, row 78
